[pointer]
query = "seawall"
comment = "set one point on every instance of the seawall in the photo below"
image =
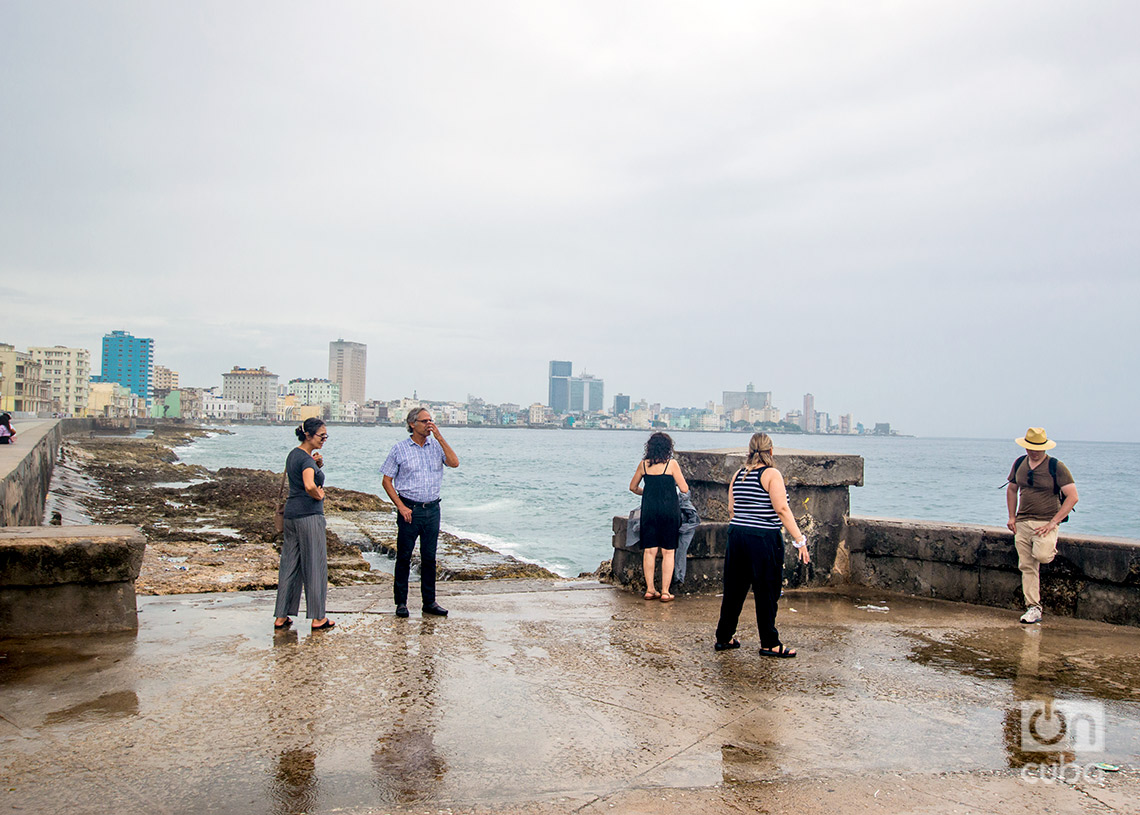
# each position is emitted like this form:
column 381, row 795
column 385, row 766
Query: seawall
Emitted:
column 1092, row 577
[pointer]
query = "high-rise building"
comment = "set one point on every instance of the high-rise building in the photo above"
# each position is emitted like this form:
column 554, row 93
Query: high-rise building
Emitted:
column 845, row 424
column 348, row 362
column 621, row 404
column 559, row 396
column 69, row 372
column 587, row 394
column 809, row 424
column 750, row 398
column 255, row 386
column 128, row 360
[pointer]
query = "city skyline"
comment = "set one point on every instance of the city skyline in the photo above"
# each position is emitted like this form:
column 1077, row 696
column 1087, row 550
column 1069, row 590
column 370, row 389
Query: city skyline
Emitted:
column 903, row 209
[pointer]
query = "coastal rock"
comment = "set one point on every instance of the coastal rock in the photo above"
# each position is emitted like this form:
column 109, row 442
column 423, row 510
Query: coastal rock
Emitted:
column 213, row 531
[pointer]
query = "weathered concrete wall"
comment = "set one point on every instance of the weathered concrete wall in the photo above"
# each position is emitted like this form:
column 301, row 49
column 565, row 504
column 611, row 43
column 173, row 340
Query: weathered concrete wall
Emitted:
column 818, row 494
column 25, row 472
column 67, row 580
column 1094, row 578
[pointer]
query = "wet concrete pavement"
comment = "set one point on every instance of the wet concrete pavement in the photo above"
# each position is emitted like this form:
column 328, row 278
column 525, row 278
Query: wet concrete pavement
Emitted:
column 570, row 697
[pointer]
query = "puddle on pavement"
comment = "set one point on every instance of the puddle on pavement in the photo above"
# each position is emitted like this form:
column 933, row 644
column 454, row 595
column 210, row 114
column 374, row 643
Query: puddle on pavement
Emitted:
column 107, row 706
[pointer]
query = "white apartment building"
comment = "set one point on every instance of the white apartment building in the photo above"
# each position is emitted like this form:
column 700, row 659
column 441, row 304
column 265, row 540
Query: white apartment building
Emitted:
column 21, row 388
column 68, row 370
column 217, row 407
column 317, row 392
column 537, row 413
column 255, row 386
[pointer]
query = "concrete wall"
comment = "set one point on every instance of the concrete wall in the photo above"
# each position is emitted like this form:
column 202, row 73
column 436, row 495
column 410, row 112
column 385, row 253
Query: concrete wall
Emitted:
column 1094, row 578
column 68, row 580
column 25, row 472
column 818, row 494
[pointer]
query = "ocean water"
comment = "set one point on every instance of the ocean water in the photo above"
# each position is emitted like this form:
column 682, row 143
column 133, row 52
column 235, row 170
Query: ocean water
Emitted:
column 549, row 496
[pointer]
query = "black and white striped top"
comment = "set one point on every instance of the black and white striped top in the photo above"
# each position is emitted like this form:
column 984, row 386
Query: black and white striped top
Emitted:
column 751, row 504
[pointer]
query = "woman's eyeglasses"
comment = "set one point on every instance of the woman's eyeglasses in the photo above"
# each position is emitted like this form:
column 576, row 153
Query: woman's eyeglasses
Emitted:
column 322, row 436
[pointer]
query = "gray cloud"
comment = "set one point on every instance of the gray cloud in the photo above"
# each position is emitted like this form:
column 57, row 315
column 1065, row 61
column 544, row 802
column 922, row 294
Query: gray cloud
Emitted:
column 911, row 211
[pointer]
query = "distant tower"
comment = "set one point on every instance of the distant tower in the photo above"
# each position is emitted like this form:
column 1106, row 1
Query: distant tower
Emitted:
column 559, row 397
column 348, row 362
column 809, row 413
column 128, row 360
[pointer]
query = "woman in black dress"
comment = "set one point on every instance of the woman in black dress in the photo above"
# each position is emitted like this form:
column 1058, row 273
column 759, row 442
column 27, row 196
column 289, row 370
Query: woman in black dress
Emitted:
column 660, row 512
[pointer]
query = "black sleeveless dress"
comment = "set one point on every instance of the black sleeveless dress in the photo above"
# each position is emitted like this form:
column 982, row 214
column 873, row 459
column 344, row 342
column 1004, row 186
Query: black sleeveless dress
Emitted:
column 660, row 512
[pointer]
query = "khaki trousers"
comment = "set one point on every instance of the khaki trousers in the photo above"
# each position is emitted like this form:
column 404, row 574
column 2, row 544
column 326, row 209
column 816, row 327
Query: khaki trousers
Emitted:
column 1032, row 551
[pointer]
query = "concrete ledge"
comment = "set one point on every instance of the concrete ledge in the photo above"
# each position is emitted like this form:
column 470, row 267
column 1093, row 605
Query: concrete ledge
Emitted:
column 67, row 580
column 1092, row 577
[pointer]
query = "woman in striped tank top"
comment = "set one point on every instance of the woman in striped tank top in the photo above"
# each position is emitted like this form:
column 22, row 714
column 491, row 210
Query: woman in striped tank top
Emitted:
column 757, row 508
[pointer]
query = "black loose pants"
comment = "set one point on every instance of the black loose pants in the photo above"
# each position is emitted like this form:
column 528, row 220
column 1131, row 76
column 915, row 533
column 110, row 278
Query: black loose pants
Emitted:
column 754, row 560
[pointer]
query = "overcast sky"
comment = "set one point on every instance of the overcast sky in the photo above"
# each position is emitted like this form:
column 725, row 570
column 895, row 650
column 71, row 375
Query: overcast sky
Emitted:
column 923, row 213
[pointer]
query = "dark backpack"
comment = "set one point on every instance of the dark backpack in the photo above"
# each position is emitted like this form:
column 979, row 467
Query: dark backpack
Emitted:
column 1052, row 474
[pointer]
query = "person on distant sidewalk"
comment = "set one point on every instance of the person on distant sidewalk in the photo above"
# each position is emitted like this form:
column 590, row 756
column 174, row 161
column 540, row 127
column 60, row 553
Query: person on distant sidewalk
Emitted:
column 7, row 434
column 1040, row 494
column 413, row 476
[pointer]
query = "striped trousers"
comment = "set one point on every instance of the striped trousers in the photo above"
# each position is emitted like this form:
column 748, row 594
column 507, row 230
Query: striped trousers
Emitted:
column 304, row 562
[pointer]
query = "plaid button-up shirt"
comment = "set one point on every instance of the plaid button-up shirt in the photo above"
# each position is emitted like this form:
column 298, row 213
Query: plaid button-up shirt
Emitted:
column 416, row 472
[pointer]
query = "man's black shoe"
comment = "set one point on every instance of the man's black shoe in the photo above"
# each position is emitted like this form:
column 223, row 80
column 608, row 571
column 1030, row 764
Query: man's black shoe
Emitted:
column 401, row 610
column 436, row 609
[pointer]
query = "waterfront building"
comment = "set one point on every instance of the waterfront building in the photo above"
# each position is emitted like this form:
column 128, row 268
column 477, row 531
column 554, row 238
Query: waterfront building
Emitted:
column 320, row 392
column 109, row 400
column 22, row 385
column 587, row 394
column 808, row 418
column 749, row 397
column 68, row 370
column 348, row 363
column 537, row 414
column 639, row 417
column 845, row 424
column 373, row 412
column 621, row 404
column 215, row 405
column 253, row 386
column 559, row 393
column 164, row 378
column 794, row 417
column 128, row 360
column 822, row 422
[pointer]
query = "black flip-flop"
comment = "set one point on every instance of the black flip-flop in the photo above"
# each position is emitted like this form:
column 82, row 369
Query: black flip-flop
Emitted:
column 727, row 646
column 328, row 624
column 285, row 624
column 782, row 652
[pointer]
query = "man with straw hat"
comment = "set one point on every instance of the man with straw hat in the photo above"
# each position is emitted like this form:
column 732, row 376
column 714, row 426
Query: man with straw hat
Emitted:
column 1040, row 495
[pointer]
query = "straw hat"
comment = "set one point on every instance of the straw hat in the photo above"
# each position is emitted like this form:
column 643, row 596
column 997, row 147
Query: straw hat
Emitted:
column 1035, row 439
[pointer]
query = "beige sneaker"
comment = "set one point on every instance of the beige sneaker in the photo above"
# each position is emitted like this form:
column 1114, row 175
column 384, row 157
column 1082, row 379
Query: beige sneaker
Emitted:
column 1033, row 615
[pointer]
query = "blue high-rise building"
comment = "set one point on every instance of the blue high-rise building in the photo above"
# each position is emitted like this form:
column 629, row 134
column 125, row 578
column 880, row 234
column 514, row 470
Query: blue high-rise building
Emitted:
column 559, row 396
column 128, row 360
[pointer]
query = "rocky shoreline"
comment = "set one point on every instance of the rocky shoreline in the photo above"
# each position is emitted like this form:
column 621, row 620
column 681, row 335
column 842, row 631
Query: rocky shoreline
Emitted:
column 212, row 531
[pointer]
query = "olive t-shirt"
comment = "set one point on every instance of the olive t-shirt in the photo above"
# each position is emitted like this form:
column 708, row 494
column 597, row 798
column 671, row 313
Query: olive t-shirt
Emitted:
column 1037, row 502
column 300, row 503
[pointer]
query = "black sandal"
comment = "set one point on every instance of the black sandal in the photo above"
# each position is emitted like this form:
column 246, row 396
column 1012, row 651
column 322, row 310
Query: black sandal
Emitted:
column 285, row 624
column 781, row 651
column 327, row 625
column 727, row 646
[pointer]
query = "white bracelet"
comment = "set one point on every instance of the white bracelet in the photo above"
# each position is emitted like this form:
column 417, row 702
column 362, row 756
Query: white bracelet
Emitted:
column 800, row 544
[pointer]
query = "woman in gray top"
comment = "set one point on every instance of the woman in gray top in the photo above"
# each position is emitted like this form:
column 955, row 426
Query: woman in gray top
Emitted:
column 304, row 553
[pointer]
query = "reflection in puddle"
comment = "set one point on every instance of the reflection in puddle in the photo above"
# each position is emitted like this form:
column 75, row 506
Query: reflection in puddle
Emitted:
column 408, row 767
column 294, row 787
column 109, row 705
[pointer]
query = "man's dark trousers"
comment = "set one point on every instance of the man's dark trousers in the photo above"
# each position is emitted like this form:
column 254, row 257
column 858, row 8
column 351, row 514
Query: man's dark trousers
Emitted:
column 425, row 526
